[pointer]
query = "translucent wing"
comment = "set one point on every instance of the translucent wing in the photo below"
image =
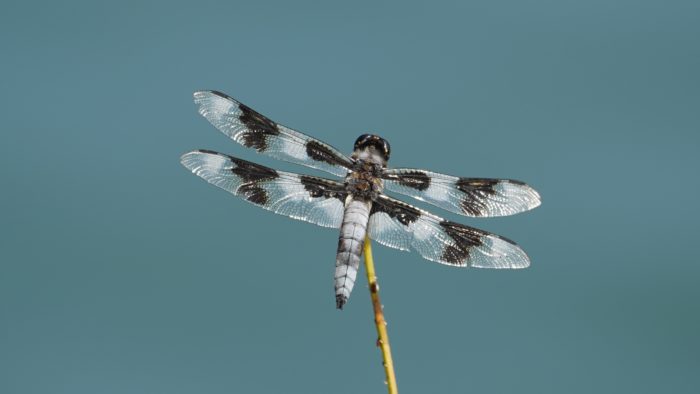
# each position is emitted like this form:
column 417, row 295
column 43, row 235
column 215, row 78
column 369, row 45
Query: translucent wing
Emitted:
column 399, row 225
column 311, row 199
column 254, row 130
column 465, row 196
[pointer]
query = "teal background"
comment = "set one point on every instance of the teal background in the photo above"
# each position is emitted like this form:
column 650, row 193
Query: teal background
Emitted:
column 120, row 272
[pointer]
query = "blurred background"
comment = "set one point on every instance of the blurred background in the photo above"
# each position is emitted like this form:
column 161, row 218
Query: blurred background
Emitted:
column 121, row 272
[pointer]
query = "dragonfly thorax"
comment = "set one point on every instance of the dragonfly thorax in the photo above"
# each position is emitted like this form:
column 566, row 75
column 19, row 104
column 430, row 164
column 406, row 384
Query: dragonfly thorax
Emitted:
column 364, row 180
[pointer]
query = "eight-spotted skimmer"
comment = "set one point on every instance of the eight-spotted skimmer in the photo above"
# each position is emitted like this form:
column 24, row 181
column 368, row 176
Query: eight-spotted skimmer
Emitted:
column 357, row 205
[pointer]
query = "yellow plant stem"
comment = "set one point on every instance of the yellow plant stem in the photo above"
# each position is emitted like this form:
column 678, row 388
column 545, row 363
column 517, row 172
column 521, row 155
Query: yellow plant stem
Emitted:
column 383, row 340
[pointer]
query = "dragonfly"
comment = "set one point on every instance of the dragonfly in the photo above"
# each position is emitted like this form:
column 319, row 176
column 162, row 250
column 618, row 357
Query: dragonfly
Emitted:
column 355, row 202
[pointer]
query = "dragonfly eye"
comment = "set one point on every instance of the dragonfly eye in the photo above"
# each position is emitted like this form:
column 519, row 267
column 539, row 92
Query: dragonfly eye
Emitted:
column 379, row 143
column 361, row 141
column 386, row 148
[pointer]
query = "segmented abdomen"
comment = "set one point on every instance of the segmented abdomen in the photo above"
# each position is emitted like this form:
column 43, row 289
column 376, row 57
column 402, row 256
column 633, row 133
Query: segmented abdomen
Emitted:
column 350, row 243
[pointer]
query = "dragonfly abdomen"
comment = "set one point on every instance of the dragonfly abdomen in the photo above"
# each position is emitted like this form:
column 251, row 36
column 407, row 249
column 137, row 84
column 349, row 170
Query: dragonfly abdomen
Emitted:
column 350, row 243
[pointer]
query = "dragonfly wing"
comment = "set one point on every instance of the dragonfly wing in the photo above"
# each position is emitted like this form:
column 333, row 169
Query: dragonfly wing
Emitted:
column 402, row 226
column 253, row 130
column 483, row 197
column 315, row 200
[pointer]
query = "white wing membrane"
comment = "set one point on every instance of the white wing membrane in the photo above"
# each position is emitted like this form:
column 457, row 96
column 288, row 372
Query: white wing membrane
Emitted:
column 311, row 199
column 399, row 225
column 481, row 197
column 253, row 130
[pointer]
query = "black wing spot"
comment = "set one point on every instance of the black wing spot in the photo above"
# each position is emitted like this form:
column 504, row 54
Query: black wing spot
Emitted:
column 404, row 213
column 476, row 192
column 259, row 127
column 414, row 179
column 253, row 193
column 320, row 152
column 465, row 239
column 251, row 172
column 318, row 188
column 252, row 175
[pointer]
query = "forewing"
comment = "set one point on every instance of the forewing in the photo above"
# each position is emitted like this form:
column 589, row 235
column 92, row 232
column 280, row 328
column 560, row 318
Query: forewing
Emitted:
column 399, row 225
column 466, row 196
column 311, row 199
column 253, row 130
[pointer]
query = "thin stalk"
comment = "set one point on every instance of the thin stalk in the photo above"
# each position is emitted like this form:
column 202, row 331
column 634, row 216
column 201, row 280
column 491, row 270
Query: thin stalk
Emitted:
column 383, row 336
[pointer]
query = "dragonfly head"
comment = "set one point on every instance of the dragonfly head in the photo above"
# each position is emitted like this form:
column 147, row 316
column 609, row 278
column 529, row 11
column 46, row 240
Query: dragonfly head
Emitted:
column 369, row 145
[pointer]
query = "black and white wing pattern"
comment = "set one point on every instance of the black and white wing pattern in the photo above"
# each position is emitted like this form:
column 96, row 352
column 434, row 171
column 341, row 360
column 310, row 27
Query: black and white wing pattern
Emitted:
column 311, row 199
column 399, row 225
column 466, row 196
column 253, row 130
